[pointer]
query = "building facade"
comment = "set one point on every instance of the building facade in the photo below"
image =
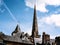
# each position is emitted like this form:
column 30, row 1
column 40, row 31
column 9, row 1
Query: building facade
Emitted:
column 57, row 40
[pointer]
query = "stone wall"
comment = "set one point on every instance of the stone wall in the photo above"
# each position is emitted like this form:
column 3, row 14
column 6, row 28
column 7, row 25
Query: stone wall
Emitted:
column 15, row 43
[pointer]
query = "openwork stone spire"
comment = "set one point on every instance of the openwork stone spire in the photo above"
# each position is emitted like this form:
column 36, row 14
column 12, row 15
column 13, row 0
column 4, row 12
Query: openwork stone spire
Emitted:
column 17, row 29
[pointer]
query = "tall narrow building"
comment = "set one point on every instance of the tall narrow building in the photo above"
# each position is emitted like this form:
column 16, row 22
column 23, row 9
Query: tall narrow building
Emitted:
column 35, row 25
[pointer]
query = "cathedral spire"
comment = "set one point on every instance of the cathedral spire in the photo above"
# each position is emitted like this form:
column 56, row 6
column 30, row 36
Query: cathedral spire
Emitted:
column 35, row 24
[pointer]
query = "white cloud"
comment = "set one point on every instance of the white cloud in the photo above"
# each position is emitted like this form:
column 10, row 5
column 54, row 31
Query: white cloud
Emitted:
column 42, row 8
column 52, row 19
column 41, row 4
column 53, row 2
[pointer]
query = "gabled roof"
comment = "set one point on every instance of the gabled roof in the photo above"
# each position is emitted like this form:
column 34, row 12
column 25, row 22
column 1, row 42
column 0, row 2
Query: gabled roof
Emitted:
column 14, row 39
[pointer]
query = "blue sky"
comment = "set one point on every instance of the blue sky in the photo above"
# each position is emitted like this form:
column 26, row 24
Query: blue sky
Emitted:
column 13, row 12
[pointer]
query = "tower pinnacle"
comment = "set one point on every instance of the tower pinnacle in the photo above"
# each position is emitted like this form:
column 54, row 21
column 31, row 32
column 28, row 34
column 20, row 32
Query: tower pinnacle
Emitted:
column 17, row 29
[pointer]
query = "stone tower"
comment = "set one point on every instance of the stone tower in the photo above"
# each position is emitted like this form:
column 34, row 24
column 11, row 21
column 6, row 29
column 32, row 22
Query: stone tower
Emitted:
column 45, row 38
column 35, row 25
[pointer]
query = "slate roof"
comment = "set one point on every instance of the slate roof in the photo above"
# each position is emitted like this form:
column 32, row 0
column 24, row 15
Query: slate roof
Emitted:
column 14, row 39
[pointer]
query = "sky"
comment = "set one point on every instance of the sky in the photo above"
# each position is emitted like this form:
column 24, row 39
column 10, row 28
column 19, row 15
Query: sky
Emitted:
column 13, row 12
